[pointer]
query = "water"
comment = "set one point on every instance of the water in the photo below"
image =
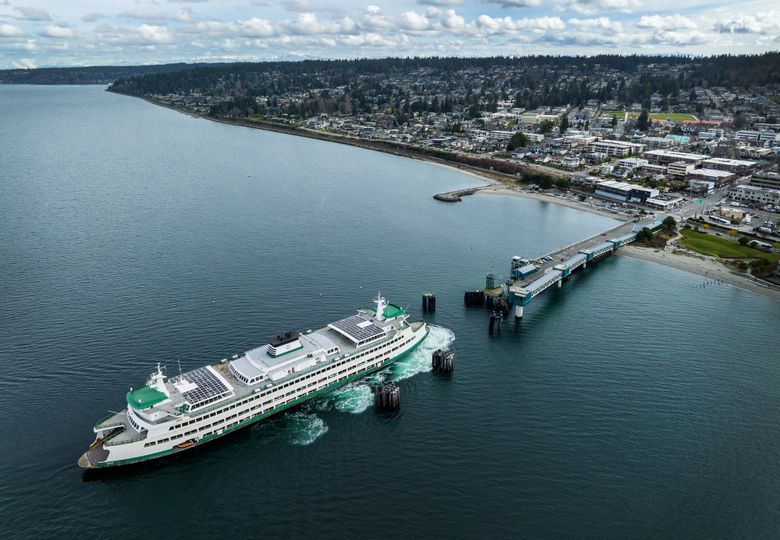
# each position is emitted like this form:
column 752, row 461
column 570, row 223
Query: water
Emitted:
column 630, row 403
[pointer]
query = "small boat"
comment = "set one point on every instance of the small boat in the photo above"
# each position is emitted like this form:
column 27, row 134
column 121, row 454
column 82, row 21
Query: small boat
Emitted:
column 186, row 444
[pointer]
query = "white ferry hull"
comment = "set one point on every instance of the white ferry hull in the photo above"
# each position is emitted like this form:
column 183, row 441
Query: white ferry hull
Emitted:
column 172, row 438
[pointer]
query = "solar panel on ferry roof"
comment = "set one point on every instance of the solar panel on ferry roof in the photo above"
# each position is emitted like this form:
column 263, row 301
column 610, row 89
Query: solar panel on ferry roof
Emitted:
column 357, row 328
column 209, row 385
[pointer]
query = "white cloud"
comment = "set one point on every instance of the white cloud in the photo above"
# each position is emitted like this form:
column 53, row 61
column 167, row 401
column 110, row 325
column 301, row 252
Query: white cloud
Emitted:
column 678, row 38
column 506, row 25
column 308, row 24
column 9, row 30
column 301, row 6
column 29, row 13
column 749, row 24
column 668, row 22
column 143, row 14
column 441, row 3
column 92, row 17
column 57, row 31
column 25, row 63
column 145, row 34
column 597, row 24
column 508, row 4
column 590, row 7
column 370, row 39
column 411, row 20
column 183, row 15
column 255, row 27
column 375, row 19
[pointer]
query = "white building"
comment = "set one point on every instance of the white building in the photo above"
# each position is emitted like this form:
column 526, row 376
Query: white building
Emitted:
column 755, row 194
column 615, row 148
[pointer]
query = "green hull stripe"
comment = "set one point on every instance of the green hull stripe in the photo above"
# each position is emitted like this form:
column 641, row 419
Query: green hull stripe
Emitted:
column 269, row 413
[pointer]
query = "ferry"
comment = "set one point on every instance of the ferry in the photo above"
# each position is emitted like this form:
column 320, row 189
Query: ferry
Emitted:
column 171, row 415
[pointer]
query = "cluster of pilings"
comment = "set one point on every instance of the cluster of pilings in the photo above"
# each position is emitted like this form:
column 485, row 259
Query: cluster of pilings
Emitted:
column 443, row 361
column 474, row 298
column 387, row 396
column 494, row 326
column 428, row 302
column 497, row 303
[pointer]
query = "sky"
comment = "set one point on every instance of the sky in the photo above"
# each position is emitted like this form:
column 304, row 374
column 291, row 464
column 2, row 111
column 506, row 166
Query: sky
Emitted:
column 39, row 33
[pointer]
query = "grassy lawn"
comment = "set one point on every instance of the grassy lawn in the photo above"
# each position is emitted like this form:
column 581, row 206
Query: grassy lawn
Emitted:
column 677, row 117
column 715, row 246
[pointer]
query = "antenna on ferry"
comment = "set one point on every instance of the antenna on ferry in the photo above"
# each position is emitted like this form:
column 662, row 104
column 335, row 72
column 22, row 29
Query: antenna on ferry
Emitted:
column 380, row 307
column 179, row 361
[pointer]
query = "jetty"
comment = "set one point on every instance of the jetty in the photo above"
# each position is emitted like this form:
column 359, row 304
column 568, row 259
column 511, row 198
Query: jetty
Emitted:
column 456, row 196
column 531, row 277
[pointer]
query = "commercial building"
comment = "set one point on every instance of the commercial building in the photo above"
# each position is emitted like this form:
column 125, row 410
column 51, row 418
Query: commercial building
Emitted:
column 738, row 166
column 622, row 191
column 755, row 194
column 716, row 176
column 766, row 179
column 615, row 148
column 664, row 157
column 702, row 187
column 679, row 168
column 664, row 201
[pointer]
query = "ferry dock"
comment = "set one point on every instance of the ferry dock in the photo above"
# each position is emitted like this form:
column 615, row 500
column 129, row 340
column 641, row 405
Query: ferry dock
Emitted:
column 531, row 277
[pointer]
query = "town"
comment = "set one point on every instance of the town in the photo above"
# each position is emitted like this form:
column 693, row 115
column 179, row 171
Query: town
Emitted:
column 695, row 138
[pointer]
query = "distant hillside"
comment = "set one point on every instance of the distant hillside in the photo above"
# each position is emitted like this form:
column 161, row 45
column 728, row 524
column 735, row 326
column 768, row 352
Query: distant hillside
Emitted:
column 83, row 75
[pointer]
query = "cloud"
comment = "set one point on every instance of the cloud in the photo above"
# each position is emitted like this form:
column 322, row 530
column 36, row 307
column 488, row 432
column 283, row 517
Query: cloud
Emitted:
column 143, row 15
column 57, row 31
column 28, row 13
column 374, row 19
column 411, row 20
column 308, row 24
column 9, row 30
column 145, row 34
column 596, row 25
column 252, row 28
column 92, row 17
column 300, row 6
column 508, row 4
column 442, row 3
column 748, row 24
column 183, row 15
column 370, row 39
column 669, row 22
column 487, row 25
column 678, row 38
column 25, row 63
column 590, row 7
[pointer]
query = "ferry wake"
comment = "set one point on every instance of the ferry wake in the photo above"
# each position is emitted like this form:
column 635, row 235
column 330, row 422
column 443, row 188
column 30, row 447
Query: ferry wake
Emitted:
column 170, row 415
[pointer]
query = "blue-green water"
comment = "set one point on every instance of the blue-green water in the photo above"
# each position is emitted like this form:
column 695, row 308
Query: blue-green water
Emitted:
column 630, row 403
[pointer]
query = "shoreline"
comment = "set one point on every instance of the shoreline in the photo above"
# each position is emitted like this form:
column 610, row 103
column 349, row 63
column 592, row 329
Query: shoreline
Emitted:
column 700, row 265
column 497, row 183
column 499, row 189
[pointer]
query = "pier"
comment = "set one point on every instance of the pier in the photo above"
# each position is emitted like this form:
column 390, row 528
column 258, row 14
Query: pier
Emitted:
column 530, row 278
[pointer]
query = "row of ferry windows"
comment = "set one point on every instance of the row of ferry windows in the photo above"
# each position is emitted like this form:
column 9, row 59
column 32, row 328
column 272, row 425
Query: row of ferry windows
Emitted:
column 286, row 385
column 264, row 404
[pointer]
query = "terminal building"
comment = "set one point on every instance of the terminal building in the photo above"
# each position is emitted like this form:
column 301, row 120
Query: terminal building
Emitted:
column 624, row 192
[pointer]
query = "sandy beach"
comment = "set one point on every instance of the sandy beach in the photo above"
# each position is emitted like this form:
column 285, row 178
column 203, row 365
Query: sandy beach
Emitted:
column 500, row 189
column 699, row 264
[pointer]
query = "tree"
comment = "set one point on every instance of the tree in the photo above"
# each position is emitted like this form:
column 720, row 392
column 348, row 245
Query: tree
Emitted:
column 645, row 235
column 563, row 184
column 614, row 121
column 670, row 224
column 743, row 240
column 740, row 122
column 643, row 122
column 518, row 140
column 732, row 233
column 564, row 123
column 546, row 126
